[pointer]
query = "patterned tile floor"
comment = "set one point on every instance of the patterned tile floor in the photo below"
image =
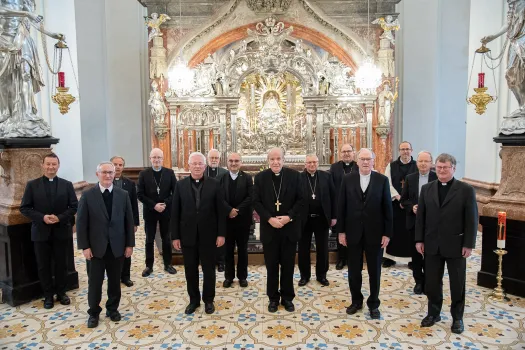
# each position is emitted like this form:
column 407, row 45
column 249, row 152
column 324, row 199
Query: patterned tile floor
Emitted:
column 153, row 317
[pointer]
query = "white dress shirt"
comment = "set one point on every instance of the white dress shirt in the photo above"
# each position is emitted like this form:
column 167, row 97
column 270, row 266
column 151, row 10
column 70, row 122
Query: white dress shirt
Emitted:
column 102, row 188
column 234, row 175
column 364, row 181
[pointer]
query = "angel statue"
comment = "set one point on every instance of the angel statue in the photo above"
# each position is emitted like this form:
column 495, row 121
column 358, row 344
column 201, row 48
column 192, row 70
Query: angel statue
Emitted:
column 20, row 71
column 154, row 22
column 515, row 74
column 388, row 24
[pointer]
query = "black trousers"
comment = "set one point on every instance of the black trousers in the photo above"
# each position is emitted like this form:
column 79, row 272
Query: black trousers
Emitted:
column 150, row 226
column 374, row 254
column 237, row 236
column 280, row 251
column 220, row 255
column 46, row 252
column 206, row 255
column 96, row 268
column 418, row 265
column 434, row 268
column 125, row 274
column 318, row 227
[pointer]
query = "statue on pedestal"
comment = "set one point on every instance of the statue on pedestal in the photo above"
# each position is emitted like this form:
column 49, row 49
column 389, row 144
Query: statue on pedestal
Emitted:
column 388, row 24
column 515, row 74
column 20, row 71
column 154, row 22
column 386, row 100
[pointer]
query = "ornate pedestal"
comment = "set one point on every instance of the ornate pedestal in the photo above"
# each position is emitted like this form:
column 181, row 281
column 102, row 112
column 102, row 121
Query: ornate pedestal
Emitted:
column 20, row 161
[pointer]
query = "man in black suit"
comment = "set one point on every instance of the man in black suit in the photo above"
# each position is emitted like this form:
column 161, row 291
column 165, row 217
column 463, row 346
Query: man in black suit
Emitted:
column 318, row 216
column 238, row 188
column 213, row 170
column 364, row 222
column 129, row 186
column 278, row 199
column 446, row 229
column 346, row 165
column 105, row 233
column 409, row 199
column 198, row 225
column 155, row 191
column 50, row 202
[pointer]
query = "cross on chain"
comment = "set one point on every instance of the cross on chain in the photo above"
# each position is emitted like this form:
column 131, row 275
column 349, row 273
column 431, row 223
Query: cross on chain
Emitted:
column 278, row 204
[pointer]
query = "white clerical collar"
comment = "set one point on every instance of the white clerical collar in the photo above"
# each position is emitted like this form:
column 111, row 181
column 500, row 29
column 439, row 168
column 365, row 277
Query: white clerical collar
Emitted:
column 50, row 179
column 117, row 179
column 213, row 169
column 102, row 188
column 347, row 164
column 312, row 175
column 157, row 170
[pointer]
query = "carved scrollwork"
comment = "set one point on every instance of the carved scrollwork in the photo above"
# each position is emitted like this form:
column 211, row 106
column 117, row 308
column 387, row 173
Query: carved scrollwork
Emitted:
column 5, row 165
column 345, row 116
column 266, row 6
column 198, row 116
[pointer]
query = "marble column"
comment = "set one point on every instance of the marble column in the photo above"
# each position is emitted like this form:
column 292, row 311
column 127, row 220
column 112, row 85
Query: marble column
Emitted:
column 369, row 115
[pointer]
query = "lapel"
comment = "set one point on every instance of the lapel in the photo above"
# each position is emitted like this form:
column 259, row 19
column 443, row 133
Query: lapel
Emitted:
column 60, row 187
column 373, row 179
column 433, row 192
column 416, row 188
column 284, row 183
column 43, row 194
column 188, row 196
column 239, row 183
column 356, row 182
column 226, row 180
column 100, row 200
column 451, row 193
column 114, row 202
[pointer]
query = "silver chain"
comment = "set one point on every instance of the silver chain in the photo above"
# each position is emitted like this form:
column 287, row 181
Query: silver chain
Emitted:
column 44, row 44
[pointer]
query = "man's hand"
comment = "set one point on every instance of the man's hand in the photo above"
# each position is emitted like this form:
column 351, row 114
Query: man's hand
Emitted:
column 398, row 197
column 466, row 252
column 384, row 241
column 135, row 229
column 284, row 219
column 276, row 223
column 176, row 244
column 420, row 247
column 233, row 213
column 401, row 206
column 55, row 218
column 87, row 254
column 414, row 209
column 333, row 222
column 128, row 252
column 342, row 238
column 160, row 207
column 48, row 219
column 220, row 241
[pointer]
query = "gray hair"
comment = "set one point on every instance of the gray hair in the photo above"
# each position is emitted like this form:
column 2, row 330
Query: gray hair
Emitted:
column 425, row 152
column 115, row 157
column 214, row 150
column 366, row 149
column 445, row 157
column 311, row 155
column 276, row 148
column 237, row 153
column 193, row 154
column 99, row 167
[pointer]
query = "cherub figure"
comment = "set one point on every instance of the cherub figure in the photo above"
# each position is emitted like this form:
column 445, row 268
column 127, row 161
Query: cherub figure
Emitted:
column 388, row 24
column 154, row 22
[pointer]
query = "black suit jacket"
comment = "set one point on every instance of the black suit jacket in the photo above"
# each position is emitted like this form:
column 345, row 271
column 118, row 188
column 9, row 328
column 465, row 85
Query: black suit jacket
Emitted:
column 220, row 173
column 368, row 220
column 450, row 227
column 35, row 204
column 209, row 221
column 410, row 196
column 130, row 187
column 337, row 172
column 94, row 228
column 147, row 191
column 326, row 195
column 291, row 197
column 243, row 196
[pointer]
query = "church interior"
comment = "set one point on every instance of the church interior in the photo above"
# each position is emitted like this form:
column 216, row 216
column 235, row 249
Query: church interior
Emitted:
column 246, row 76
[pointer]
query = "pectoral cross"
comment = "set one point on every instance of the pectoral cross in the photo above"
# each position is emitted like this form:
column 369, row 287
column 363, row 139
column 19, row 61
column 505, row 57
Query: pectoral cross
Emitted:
column 278, row 204
column 403, row 183
column 158, row 190
column 313, row 196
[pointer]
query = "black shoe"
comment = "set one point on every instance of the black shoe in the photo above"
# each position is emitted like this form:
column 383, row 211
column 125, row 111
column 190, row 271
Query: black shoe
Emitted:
column 388, row 262
column 63, row 299
column 147, row 271
column 418, row 289
column 457, row 327
column 114, row 316
column 191, row 308
column 209, row 308
column 170, row 269
column 273, row 306
column 92, row 321
column 243, row 283
column 128, row 283
column 288, row 305
column 429, row 321
column 220, row 267
column 49, row 303
column 303, row 282
column 352, row 309
column 340, row 265
column 375, row 314
column 410, row 265
column 324, row 281
column 227, row 283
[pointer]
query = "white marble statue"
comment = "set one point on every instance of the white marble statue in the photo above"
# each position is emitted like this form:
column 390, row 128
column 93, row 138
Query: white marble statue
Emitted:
column 154, row 22
column 388, row 24
column 386, row 101
column 157, row 107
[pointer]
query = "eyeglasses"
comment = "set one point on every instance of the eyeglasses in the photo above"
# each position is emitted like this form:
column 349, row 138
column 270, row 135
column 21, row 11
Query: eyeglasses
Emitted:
column 313, row 162
column 346, row 151
column 443, row 167
column 215, row 158
column 405, row 149
column 197, row 164
column 424, row 161
column 107, row 172
column 366, row 159
column 156, row 157
column 234, row 161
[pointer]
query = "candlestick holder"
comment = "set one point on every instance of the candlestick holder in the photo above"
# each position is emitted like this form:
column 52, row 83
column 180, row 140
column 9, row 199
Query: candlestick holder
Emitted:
column 63, row 99
column 499, row 294
column 481, row 99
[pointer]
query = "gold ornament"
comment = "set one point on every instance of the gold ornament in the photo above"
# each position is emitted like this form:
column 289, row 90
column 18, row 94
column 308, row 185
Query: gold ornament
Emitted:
column 481, row 99
column 63, row 99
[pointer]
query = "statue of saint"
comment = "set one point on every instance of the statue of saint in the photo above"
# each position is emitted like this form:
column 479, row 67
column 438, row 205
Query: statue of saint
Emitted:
column 154, row 22
column 515, row 74
column 20, row 71
column 386, row 103
column 157, row 107
column 388, row 24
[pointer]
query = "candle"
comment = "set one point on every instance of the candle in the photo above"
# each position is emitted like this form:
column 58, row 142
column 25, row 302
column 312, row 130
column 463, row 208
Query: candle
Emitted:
column 61, row 79
column 502, row 229
column 481, row 80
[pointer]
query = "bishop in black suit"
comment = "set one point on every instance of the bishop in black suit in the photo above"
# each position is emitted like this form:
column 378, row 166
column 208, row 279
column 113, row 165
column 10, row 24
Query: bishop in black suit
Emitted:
column 155, row 191
column 105, row 233
column 198, row 226
column 238, row 189
column 409, row 199
column 446, row 229
column 278, row 199
column 346, row 165
column 364, row 224
column 319, row 215
column 51, row 203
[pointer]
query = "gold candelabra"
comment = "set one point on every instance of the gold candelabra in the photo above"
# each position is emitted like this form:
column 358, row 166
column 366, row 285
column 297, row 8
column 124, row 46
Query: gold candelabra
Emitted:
column 499, row 294
column 63, row 99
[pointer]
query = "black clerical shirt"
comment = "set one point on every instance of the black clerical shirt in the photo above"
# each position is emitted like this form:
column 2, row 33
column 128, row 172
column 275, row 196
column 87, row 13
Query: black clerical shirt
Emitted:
column 277, row 181
column 196, row 186
column 443, row 188
column 314, row 205
column 50, row 186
